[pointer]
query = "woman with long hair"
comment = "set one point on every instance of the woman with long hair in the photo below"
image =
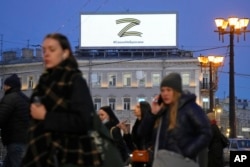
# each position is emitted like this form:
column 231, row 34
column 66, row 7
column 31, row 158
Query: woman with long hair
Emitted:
column 133, row 140
column 185, row 129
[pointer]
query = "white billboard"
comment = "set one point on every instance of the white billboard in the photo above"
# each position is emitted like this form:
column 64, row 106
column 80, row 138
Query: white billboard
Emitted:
column 157, row 30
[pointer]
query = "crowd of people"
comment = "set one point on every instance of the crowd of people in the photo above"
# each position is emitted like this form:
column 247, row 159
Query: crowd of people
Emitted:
column 49, row 128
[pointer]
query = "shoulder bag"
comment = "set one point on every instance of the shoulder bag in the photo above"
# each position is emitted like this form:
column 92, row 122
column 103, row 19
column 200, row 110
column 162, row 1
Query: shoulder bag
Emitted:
column 111, row 155
column 165, row 158
column 101, row 150
column 140, row 156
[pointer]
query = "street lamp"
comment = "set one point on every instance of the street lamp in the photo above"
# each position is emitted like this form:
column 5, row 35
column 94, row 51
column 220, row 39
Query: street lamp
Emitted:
column 232, row 26
column 217, row 112
column 212, row 62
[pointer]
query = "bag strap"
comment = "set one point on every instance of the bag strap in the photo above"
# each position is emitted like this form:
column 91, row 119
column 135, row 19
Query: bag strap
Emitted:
column 111, row 132
column 157, row 137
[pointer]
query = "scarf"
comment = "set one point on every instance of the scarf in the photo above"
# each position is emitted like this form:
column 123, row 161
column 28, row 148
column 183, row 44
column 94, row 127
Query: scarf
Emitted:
column 53, row 89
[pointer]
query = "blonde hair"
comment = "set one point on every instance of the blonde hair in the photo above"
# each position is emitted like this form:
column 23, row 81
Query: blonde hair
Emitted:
column 173, row 109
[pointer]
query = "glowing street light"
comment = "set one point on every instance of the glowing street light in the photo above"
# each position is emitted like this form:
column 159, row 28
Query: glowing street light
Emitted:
column 232, row 26
column 212, row 62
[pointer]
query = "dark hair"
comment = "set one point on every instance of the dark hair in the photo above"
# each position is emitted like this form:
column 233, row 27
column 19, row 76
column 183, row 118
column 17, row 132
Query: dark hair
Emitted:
column 145, row 108
column 13, row 81
column 63, row 42
column 111, row 114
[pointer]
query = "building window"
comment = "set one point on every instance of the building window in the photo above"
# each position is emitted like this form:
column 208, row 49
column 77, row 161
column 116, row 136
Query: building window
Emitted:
column 141, row 77
column 205, row 83
column 139, row 99
column 96, row 79
column 112, row 103
column 205, row 103
column 185, row 79
column 127, row 80
column 30, row 82
column 97, row 103
column 156, row 79
column 126, row 103
column 112, row 79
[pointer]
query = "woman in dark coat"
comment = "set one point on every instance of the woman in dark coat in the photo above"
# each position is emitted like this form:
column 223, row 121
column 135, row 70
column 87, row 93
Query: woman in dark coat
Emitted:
column 61, row 109
column 215, row 148
column 110, row 120
column 185, row 128
column 133, row 140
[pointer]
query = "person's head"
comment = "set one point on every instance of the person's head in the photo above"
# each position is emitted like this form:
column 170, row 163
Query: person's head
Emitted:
column 211, row 116
column 171, row 88
column 56, row 48
column 12, row 81
column 106, row 114
column 141, row 108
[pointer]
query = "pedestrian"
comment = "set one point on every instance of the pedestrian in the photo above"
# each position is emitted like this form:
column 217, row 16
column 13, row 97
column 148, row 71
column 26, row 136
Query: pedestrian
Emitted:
column 109, row 119
column 182, row 125
column 14, row 121
column 61, row 109
column 215, row 148
column 133, row 140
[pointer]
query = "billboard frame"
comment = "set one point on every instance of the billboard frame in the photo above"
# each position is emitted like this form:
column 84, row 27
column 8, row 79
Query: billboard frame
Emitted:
column 129, row 47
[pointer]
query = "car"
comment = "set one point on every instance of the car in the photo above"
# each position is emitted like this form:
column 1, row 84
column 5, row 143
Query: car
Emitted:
column 236, row 144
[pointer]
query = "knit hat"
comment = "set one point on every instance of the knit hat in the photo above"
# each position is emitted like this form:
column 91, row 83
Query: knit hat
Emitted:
column 172, row 80
column 13, row 81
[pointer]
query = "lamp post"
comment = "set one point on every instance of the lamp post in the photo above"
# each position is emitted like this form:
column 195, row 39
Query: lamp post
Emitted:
column 211, row 62
column 237, row 27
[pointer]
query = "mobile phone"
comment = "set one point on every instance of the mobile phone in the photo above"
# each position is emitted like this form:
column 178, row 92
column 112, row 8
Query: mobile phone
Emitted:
column 159, row 100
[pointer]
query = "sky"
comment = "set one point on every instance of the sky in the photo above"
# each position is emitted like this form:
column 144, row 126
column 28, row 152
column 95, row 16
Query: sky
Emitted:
column 25, row 22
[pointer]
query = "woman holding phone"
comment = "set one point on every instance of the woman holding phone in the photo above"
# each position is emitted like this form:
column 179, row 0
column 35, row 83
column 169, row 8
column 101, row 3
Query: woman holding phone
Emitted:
column 184, row 128
column 133, row 140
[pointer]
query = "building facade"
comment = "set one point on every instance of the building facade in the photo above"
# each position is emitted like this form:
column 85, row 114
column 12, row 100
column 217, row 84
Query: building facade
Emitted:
column 116, row 78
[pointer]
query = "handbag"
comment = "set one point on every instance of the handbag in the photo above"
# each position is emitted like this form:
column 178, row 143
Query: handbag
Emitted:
column 101, row 150
column 165, row 158
column 140, row 156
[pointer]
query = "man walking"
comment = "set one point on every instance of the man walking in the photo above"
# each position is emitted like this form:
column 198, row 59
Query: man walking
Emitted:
column 14, row 121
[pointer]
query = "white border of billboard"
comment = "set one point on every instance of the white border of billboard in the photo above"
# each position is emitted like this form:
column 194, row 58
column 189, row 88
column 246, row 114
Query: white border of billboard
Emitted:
column 157, row 30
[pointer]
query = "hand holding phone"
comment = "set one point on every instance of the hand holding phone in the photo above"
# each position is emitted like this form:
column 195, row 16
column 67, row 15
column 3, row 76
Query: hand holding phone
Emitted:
column 156, row 104
column 159, row 101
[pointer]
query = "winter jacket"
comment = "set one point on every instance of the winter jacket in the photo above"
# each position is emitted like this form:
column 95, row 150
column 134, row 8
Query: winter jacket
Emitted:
column 65, row 94
column 215, row 148
column 14, row 116
column 192, row 132
column 134, row 141
column 116, row 135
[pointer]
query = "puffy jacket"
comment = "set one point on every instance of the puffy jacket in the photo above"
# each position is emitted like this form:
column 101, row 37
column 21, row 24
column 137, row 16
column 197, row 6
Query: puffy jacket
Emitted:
column 192, row 132
column 14, row 116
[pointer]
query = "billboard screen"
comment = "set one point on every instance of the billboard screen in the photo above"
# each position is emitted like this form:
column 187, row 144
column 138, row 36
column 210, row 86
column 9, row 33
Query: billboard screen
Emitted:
column 128, row 30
